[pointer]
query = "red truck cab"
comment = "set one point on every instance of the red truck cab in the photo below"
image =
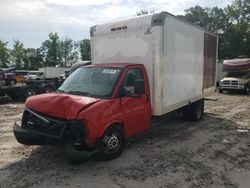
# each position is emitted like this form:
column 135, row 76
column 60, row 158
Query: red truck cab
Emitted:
column 95, row 110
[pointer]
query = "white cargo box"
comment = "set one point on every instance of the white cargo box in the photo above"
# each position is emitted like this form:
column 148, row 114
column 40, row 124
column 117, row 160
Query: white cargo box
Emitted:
column 180, row 58
column 52, row 72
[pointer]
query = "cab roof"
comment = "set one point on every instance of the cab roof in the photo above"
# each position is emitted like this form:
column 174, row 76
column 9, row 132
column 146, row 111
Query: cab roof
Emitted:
column 116, row 65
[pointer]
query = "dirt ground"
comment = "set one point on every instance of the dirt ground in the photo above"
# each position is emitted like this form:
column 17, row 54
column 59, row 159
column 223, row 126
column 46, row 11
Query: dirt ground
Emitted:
column 214, row 152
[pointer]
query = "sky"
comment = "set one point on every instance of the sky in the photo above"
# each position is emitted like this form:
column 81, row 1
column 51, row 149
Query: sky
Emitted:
column 30, row 21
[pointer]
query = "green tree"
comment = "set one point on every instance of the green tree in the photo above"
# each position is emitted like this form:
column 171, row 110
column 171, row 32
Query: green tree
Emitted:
column 66, row 48
column 17, row 54
column 232, row 24
column 217, row 20
column 85, row 49
column 33, row 59
column 197, row 15
column 75, row 53
column 51, row 50
column 69, row 51
column 238, row 33
column 4, row 54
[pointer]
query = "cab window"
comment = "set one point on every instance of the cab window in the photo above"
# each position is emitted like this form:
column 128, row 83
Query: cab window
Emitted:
column 128, row 85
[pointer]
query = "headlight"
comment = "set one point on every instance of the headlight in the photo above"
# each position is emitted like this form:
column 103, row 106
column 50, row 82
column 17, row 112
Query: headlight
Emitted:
column 78, row 128
column 242, row 82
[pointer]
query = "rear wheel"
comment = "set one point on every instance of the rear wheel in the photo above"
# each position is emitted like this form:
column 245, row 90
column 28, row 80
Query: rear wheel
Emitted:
column 247, row 89
column 13, row 82
column 194, row 111
column 111, row 144
column 13, row 95
column 47, row 89
column 27, row 92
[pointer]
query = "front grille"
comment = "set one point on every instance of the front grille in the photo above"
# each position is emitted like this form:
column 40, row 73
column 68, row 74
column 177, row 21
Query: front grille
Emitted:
column 234, row 82
column 226, row 82
column 43, row 125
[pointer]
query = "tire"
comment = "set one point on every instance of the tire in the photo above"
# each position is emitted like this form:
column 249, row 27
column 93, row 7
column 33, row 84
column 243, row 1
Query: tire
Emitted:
column 13, row 82
column 76, row 154
column 111, row 144
column 220, row 91
column 27, row 92
column 247, row 90
column 194, row 111
column 47, row 89
column 13, row 96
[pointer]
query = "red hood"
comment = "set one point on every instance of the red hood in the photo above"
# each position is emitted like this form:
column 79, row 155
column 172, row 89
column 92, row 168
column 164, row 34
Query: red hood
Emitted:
column 59, row 105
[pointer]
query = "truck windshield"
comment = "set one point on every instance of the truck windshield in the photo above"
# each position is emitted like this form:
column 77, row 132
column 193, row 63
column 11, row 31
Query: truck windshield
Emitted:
column 91, row 81
column 236, row 74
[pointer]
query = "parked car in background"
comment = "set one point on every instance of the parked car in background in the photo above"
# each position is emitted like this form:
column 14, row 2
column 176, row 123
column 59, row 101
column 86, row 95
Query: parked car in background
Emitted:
column 20, row 75
column 34, row 75
column 10, row 78
column 237, row 76
column 235, row 81
column 9, row 75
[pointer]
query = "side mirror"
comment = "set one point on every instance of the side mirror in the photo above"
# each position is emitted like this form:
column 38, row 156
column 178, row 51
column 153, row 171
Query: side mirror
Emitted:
column 139, row 87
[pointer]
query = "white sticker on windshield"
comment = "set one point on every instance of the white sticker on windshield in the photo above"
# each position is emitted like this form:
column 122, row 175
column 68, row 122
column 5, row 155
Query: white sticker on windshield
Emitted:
column 109, row 71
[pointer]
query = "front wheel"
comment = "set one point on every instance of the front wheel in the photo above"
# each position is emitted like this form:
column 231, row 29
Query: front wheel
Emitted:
column 111, row 144
column 76, row 153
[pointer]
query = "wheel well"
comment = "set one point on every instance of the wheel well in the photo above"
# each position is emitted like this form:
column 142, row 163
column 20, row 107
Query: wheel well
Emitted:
column 115, row 125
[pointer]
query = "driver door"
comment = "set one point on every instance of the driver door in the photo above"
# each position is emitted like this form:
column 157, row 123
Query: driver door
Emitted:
column 136, row 109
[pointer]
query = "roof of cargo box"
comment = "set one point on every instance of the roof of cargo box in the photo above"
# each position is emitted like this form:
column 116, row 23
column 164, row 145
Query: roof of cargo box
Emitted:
column 156, row 19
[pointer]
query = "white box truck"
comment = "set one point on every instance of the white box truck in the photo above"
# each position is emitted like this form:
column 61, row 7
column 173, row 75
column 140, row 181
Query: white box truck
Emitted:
column 180, row 58
column 143, row 66
column 51, row 72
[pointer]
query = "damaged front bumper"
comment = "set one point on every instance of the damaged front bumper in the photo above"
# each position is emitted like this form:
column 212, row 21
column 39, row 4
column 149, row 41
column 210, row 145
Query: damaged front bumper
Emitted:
column 37, row 129
column 31, row 138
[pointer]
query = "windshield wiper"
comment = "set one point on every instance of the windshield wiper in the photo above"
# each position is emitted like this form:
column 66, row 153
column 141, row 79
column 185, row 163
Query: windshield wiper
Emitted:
column 79, row 93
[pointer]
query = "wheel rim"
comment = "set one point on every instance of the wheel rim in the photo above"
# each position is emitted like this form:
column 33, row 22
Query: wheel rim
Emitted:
column 30, row 92
column 247, row 90
column 111, row 142
column 48, row 90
